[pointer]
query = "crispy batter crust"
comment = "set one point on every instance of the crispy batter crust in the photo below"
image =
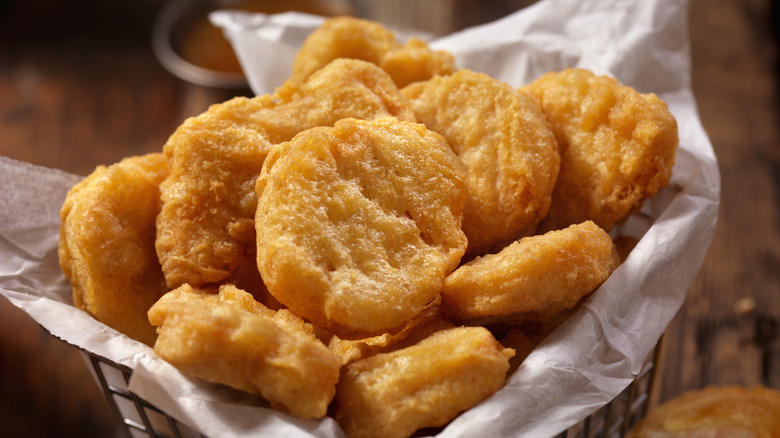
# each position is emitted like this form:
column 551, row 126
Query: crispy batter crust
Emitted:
column 358, row 224
column 354, row 38
column 729, row 411
column 505, row 141
column 206, row 229
column 229, row 338
column 106, row 246
column 534, row 278
column 425, row 385
column 617, row 146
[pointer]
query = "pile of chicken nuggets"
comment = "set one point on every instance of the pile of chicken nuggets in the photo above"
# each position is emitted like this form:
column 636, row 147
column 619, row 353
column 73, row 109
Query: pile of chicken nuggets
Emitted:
column 382, row 239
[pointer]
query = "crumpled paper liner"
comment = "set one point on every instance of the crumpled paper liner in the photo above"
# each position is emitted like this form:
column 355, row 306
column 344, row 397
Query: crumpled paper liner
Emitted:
column 581, row 366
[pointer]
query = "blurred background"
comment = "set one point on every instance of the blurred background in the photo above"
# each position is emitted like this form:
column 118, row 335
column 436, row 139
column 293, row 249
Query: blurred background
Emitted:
column 80, row 86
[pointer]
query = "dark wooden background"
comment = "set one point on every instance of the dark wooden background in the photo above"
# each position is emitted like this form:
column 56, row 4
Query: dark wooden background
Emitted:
column 80, row 86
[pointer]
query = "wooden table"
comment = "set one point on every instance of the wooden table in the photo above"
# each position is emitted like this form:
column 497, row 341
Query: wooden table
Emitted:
column 727, row 331
column 79, row 87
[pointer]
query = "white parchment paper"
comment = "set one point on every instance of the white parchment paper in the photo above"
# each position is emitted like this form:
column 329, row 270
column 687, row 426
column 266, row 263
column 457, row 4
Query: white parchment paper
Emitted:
column 584, row 364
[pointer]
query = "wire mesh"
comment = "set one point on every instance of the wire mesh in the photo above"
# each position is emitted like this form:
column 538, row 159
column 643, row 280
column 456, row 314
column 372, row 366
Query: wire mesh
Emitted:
column 142, row 419
column 616, row 418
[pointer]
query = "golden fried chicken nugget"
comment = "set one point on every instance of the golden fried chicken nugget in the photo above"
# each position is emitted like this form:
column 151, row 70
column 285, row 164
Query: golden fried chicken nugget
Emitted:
column 728, row 411
column 505, row 141
column 355, row 38
column 358, row 224
column 342, row 37
column 206, row 226
column 617, row 146
column 205, row 229
column 534, row 278
column 424, row 385
column 230, row 339
column 106, row 245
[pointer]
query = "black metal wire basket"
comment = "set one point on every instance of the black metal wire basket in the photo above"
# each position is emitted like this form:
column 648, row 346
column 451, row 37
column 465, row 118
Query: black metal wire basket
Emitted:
column 142, row 419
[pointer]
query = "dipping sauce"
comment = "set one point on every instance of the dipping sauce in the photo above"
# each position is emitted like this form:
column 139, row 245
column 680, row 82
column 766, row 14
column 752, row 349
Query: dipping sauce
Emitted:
column 204, row 45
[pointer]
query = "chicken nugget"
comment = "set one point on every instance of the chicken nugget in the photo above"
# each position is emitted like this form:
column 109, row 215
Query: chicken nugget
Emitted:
column 206, row 226
column 617, row 146
column 505, row 141
column 728, row 411
column 358, row 224
column 535, row 278
column 424, row 385
column 106, row 245
column 342, row 37
column 231, row 340
column 205, row 231
column 355, row 38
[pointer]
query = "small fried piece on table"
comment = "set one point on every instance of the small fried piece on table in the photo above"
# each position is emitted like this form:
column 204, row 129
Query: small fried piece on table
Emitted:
column 355, row 38
column 727, row 411
column 424, row 385
column 206, row 226
column 230, row 339
column 358, row 224
column 106, row 246
column 505, row 141
column 617, row 146
column 534, row 278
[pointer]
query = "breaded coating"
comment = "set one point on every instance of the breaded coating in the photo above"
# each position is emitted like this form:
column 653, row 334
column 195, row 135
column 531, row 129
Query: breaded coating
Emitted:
column 206, row 226
column 230, row 294
column 534, row 278
column 617, row 146
column 505, row 141
column 728, row 411
column 414, row 61
column 205, row 231
column 419, row 327
column 342, row 37
column 358, row 224
column 381, row 240
column 106, row 245
column 230, row 339
column 355, row 38
column 425, row 385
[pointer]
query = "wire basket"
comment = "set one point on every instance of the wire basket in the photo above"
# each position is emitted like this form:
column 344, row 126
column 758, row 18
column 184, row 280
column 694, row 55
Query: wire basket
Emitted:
column 142, row 419
column 616, row 418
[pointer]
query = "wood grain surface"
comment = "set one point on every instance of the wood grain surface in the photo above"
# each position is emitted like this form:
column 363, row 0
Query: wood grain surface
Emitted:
column 80, row 87
column 727, row 331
